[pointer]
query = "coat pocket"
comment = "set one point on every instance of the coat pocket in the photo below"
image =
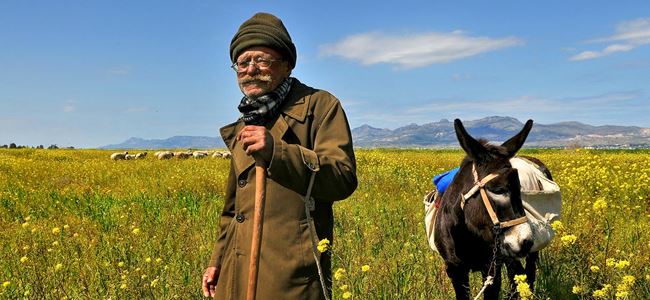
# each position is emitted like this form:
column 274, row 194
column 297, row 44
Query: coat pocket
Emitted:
column 308, row 270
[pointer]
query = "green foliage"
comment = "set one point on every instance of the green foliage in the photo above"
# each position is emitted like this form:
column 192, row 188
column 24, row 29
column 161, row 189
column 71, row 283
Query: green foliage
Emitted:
column 78, row 225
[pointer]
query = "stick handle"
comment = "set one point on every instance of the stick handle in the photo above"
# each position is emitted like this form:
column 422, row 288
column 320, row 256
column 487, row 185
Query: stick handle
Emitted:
column 258, row 221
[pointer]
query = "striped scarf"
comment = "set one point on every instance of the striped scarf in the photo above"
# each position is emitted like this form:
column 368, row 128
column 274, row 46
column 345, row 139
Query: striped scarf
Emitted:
column 260, row 110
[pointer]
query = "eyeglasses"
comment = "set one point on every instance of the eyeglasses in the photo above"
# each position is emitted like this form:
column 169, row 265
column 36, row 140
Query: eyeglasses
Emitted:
column 258, row 62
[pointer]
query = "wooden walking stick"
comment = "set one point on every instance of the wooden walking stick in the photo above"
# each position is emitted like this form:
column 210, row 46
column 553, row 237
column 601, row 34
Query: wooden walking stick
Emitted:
column 258, row 221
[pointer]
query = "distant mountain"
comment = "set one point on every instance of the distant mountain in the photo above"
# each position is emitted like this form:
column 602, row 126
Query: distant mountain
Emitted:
column 498, row 129
column 441, row 134
column 176, row 142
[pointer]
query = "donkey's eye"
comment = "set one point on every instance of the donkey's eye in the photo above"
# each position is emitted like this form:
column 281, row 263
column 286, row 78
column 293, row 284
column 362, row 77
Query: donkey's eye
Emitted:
column 498, row 190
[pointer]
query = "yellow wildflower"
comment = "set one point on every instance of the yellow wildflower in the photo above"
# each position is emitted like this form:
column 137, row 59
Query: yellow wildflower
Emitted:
column 66, row 226
column 123, row 286
column 577, row 289
column 6, row 284
column 347, row 295
column 323, row 245
column 158, row 260
column 148, row 259
column 56, row 230
column 25, row 225
column 520, row 278
column 58, row 267
column 135, row 230
column 365, row 268
column 628, row 280
column 602, row 293
column 600, row 205
column 24, row 259
column 343, row 287
column 55, row 243
column 120, row 264
column 33, row 230
column 522, row 287
column 154, row 282
column 610, row 262
column 340, row 273
column 557, row 226
column 595, row 269
column 568, row 239
column 622, row 264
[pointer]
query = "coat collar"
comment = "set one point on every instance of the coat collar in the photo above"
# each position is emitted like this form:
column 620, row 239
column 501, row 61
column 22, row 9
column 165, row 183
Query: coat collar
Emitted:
column 296, row 107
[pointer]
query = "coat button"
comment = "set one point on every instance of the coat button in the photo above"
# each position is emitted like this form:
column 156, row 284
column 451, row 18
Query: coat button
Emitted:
column 240, row 218
column 241, row 183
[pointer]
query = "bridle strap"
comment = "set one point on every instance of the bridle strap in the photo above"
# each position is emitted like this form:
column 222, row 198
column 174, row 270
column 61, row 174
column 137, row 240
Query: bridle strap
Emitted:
column 488, row 206
column 480, row 186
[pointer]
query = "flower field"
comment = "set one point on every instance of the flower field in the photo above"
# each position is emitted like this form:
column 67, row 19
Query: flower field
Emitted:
column 77, row 225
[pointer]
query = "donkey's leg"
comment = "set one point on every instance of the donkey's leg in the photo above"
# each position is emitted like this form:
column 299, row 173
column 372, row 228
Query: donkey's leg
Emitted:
column 531, row 269
column 460, row 280
column 514, row 267
column 492, row 291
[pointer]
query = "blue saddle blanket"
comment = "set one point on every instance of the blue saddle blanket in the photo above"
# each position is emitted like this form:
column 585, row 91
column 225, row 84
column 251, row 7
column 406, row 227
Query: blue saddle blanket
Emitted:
column 443, row 180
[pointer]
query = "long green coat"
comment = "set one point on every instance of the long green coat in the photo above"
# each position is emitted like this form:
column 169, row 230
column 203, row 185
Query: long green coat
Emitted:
column 311, row 134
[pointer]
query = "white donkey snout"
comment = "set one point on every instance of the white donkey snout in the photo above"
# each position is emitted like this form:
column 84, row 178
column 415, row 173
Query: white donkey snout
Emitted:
column 518, row 240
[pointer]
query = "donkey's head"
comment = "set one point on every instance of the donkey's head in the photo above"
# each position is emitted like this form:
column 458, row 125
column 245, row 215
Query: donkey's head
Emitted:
column 491, row 199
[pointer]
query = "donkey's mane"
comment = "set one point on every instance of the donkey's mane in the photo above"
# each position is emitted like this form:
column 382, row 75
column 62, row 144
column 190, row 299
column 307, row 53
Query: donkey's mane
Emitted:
column 496, row 151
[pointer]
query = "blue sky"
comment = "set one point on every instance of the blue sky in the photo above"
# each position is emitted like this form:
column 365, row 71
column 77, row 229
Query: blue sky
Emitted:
column 91, row 73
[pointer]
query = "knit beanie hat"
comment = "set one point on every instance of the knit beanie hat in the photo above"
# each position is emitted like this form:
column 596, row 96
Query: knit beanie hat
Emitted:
column 263, row 29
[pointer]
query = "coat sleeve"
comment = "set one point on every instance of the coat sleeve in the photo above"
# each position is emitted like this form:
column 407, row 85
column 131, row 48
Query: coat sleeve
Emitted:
column 226, row 217
column 332, row 157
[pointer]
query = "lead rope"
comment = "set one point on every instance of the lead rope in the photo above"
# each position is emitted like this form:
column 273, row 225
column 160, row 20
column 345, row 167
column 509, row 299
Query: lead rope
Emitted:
column 311, row 205
column 489, row 280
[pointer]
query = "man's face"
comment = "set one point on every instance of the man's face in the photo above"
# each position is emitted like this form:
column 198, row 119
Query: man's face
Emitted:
column 255, row 81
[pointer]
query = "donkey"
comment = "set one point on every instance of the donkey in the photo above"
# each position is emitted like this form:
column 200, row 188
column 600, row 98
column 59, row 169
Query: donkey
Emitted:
column 481, row 223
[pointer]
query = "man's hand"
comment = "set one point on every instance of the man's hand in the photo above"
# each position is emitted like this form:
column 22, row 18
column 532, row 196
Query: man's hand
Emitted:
column 257, row 141
column 209, row 282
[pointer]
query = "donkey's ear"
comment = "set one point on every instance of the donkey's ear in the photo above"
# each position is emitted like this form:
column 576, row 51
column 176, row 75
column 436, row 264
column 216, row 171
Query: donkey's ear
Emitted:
column 472, row 147
column 514, row 143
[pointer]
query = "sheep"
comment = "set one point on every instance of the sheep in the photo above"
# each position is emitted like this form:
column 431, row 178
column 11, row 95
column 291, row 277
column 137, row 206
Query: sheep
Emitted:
column 141, row 155
column 183, row 155
column 224, row 154
column 164, row 154
column 119, row 155
column 199, row 154
column 130, row 156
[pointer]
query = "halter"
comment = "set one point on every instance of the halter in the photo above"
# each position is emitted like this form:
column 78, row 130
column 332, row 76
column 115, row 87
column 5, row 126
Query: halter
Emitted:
column 479, row 185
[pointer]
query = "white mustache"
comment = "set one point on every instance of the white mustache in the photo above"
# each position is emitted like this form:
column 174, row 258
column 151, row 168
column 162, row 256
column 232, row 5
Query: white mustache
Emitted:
column 249, row 79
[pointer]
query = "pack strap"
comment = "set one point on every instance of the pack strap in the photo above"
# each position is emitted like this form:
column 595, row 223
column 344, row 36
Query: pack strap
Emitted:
column 310, row 205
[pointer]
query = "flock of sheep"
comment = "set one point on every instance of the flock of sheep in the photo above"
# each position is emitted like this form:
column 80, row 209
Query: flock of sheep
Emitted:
column 168, row 155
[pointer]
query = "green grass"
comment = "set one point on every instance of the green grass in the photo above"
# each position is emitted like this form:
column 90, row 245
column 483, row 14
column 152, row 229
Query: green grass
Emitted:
column 145, row 228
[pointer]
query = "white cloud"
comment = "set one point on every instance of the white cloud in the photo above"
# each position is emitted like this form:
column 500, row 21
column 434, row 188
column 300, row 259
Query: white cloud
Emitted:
column 629, row 35
column 416, row 50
